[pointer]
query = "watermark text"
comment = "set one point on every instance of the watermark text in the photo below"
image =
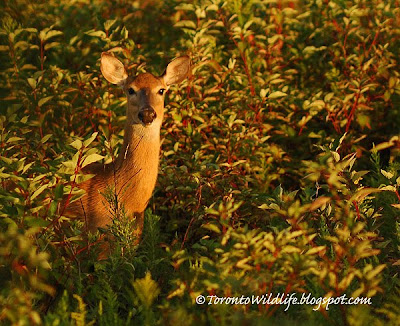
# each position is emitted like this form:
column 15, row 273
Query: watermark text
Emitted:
column 283, row 299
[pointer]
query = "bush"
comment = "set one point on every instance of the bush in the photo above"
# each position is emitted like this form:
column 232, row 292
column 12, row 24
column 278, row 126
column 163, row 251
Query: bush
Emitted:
column 279, row 171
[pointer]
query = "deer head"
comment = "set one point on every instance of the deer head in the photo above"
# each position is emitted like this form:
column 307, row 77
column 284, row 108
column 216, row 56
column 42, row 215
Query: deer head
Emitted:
column 145, row 92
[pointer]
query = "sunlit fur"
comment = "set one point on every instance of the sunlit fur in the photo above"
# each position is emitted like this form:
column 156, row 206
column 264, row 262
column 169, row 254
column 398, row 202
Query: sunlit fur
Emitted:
column 133, row 175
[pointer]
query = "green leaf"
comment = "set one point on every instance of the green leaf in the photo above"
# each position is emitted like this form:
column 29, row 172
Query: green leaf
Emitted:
column 48, row 46
column 109, row 23
column 14, row 139
column 388, row 188
column 44, row 100
column 212, row 7
column 362, row 193
column 88, row 141
column 386, row 174
column 186, row 24
column 39, row 191
column 315, row 250
column 77, row 144
column 372, row 274
column 91, row 159
column 263, row 93
column 276, row 94
column 319, row 202
column 32, row 83
column 35, row 221
column 30, row 30
column 7, row 160
column 146, row 289
column 26, row 167
column 59, row 191
column 94, row 33
column 70, row 165
column 50, row 34
column 81, row 177
column 4, row 175
column 45, row 138
column 211, row 227
column 53, row 208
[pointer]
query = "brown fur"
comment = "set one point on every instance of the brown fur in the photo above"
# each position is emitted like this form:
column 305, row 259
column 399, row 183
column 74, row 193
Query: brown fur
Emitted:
column 133, row 175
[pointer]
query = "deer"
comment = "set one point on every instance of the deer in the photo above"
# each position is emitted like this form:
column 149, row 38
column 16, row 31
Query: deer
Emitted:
column 134, row 172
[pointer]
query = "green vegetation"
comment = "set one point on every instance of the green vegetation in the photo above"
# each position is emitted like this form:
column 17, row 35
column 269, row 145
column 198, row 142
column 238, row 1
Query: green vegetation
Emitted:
column 280, row 162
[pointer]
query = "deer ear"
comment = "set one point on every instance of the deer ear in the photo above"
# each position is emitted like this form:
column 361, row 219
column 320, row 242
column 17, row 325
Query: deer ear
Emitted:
column 112, row 69
column 177, row 70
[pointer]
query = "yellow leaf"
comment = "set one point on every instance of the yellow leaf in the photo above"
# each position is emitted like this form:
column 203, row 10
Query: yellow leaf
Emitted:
column 316, row 250
column 387, row 175
column 388, row 188
column 276, row 94
column 319, row 202
column 372, row 274
column 91, row 159
column 146, row 289
column 364, row 192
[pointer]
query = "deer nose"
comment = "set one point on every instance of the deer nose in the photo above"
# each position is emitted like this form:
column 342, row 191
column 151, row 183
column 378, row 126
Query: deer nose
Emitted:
column 147, row 115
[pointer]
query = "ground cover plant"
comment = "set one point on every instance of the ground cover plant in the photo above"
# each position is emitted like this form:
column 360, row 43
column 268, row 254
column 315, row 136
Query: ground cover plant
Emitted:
column 279, row 172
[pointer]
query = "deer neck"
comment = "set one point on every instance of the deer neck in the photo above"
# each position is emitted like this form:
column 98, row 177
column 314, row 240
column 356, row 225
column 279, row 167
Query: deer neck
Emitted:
column 136, row 167
column 140, row 149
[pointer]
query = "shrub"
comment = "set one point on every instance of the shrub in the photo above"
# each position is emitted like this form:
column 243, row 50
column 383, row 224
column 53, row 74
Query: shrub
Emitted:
column 279, row 170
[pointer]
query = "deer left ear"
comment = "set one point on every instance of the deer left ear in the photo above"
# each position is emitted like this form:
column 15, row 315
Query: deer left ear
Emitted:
column 177, row 70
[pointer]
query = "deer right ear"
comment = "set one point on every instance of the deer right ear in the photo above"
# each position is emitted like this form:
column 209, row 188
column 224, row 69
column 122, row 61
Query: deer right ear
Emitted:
column 112, row 69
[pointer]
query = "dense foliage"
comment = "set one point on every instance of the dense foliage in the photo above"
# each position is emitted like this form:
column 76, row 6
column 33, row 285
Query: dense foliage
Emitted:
column 279, row 173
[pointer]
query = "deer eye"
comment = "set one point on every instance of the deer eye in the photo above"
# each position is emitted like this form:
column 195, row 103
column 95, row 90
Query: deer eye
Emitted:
column 131, row 91
column 161, row 91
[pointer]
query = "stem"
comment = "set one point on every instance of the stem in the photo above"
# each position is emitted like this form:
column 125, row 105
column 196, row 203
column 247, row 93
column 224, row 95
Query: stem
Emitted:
column 353, row 110
column 357, row 209
column 41, row 55
column 398, row 195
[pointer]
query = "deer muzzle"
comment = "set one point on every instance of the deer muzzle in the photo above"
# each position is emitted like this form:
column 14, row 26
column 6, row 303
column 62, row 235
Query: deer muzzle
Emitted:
column 147, row 115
